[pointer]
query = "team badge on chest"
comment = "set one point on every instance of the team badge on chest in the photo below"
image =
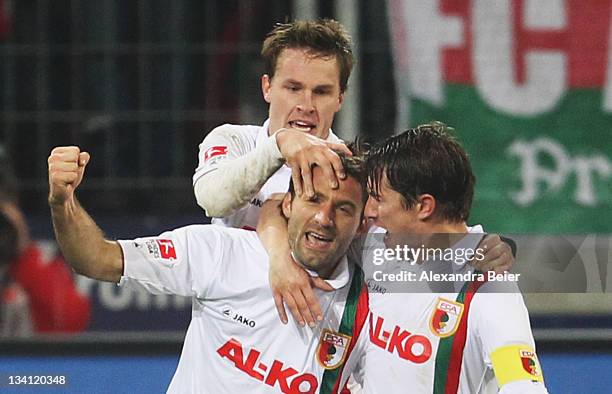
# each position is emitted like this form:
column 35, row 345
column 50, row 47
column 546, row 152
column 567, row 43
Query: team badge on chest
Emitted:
column 446, row 317
column 333, row 348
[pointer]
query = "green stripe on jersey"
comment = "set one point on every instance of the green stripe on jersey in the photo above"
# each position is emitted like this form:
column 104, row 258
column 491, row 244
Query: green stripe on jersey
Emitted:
column 346, row 327
column 444, row 352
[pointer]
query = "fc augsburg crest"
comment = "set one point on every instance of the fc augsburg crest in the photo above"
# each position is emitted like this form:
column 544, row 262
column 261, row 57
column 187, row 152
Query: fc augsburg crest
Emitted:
column 446, row 317
column 530, row 363
column 332, row 349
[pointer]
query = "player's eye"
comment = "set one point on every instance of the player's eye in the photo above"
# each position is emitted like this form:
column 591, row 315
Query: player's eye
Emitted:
column 346, row 210
column 314, row 199
column 322, row 91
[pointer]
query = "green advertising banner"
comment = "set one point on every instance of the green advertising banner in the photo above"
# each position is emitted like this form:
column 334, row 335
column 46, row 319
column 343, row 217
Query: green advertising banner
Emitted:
column 527, row 84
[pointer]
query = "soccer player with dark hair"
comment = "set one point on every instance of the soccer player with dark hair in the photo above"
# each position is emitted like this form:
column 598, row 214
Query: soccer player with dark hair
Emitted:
column 473, row 333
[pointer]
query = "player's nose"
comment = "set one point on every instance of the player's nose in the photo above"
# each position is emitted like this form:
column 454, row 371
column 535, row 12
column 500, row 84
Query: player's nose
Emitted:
column 325, row 215
column 371, row 208
column 306, row 103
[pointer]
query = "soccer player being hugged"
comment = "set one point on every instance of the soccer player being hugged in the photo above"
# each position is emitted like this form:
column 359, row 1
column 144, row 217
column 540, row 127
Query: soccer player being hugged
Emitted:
column 235, row 341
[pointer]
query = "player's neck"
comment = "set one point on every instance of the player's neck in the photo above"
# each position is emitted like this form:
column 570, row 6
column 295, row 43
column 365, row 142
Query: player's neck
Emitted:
column 323, row 272
column 448, row 227
column 444, row 234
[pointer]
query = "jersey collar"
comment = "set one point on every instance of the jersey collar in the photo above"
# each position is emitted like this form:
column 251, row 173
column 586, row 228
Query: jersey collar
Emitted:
column 263, row 133
column 338, row 279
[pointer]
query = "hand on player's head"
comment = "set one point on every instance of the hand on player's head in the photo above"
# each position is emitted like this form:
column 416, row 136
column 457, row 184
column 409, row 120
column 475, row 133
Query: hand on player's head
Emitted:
column 303, row 151
column 66, row 169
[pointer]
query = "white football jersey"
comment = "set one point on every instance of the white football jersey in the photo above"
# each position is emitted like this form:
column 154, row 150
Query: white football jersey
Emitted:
column 235, row 341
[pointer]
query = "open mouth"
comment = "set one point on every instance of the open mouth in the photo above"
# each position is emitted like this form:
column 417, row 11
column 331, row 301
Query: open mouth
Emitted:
column 316, row 240
column 301, row 125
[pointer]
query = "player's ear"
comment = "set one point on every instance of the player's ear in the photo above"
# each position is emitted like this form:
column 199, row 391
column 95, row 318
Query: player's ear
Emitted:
column 426, row 206
column 286, row 205
column 266, row 82
column 340, row 101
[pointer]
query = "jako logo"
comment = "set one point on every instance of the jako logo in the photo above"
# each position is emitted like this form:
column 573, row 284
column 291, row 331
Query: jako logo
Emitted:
column 288, row 379
column 239, row 318
column 415, row 348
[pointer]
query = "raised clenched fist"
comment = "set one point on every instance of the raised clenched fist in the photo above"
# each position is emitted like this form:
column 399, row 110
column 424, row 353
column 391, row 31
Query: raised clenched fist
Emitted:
column 66, row 168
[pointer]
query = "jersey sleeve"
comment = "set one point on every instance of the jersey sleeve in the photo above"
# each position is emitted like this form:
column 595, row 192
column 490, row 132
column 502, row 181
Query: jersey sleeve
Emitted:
column 502, row 325
column 232, row 169
column 182, row 262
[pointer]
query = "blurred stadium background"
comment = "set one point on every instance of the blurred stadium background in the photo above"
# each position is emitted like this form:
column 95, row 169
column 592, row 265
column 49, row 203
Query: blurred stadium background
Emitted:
column 526, row 83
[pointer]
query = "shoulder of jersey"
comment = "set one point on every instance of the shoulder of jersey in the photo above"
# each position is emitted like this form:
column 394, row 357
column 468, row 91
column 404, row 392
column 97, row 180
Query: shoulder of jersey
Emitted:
column 235, row 129
column 334, row 138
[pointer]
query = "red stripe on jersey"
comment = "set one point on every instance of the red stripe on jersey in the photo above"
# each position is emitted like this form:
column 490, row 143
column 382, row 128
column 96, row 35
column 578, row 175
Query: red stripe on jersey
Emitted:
column 456, row 356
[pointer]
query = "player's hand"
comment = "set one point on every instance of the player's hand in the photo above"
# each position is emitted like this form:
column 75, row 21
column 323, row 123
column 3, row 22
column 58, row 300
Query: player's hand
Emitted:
column 66, row 169
column 497, row 255
column 302, row 151
column 292, row 285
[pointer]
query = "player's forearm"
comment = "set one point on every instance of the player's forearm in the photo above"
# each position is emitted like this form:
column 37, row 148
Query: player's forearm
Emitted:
column 272, row 230
column 235, row 182
column 83, row 245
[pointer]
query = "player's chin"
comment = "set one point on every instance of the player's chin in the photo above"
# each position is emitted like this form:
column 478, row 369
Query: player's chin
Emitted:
column 316, row 259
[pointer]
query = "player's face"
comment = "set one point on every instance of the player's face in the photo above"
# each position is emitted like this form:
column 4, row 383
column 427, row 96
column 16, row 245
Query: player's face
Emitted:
column 304, row 93
column 387, row 210
column 322, row 227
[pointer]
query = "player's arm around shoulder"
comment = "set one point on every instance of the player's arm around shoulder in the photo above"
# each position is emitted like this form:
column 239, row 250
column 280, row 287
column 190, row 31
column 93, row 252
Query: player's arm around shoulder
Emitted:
column 232, row 168
column 80, row 239
column 501, row 322
column 290, row 283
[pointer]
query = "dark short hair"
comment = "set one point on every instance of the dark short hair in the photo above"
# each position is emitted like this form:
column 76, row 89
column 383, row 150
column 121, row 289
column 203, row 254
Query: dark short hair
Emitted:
column 321, row 38
column 425, row 160
column 354, row 167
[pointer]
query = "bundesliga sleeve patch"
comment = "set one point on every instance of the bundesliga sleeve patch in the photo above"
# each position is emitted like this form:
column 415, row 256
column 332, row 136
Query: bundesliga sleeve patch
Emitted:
column 215, row 152
column 160, row 249
column 516, row 362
